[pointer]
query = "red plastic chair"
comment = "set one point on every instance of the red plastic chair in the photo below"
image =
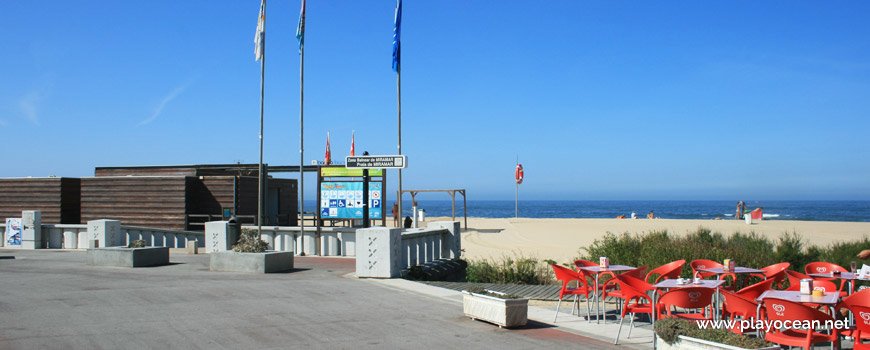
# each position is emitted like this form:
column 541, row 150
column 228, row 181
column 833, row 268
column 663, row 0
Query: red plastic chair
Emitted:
column 775, row 271
column 688, row 298
column 826, row 267
column 670, row 270
column 642, row 303
column 752, row 292
column 794, row 279
column 609, row 289
column 784, row 310
column 734, row 306
column 859, row 305
column 700, row 264
column 566, row 276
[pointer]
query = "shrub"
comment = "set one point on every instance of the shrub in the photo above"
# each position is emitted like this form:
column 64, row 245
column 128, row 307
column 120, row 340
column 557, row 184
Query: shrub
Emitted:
column 669, row 329
column 517, row 269
column 657, row 248
column 139, row 243
column 250, row 242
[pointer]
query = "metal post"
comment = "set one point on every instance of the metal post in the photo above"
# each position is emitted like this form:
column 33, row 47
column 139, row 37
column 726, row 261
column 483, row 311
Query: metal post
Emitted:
column 399, row 95
column 301, row 148
column 262, row 96
column 365, row 177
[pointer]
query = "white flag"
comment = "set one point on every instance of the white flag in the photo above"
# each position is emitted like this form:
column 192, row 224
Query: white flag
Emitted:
column 260, row 37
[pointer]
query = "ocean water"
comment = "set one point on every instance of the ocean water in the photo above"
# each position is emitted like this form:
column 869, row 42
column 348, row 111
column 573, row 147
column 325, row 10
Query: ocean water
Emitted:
column 773, row 210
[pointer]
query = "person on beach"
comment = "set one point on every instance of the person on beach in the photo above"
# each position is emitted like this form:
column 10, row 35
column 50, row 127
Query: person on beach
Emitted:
column 651, row 215
column 408, row 222
column 864, row 254
column 633, row 215
column 395, row 214
column 621, row 217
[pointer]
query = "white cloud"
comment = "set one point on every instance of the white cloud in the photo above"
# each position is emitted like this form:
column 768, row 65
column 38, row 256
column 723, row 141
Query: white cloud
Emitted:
column 29, row 106
column 172, row 95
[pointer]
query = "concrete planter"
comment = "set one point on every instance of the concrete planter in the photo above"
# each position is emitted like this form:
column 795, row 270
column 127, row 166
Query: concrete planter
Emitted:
column 265, row 262
column 128, row 257
column 689, row 343
column 503, row 312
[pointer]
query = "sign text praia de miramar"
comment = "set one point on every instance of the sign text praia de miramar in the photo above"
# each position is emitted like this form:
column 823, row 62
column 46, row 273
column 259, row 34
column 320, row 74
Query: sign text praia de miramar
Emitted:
column 376, row 162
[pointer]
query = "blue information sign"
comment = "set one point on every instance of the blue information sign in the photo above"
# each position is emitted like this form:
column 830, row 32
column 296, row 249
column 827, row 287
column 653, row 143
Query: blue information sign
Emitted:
column 344, row 200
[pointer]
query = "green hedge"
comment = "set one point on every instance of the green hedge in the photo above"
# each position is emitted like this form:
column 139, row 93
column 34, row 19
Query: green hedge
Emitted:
column 751, row 250
column 518, row 269
column 669, row 329
column 657, row 248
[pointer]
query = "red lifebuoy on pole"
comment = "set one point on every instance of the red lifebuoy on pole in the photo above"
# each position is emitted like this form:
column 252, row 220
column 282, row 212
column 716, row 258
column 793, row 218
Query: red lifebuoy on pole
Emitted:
column 519, row 174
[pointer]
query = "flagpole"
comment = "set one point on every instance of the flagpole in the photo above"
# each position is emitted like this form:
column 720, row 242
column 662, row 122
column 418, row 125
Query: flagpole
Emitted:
column 262, row 96
column 397, row 54
column 301, row 148
column 517, row 195
column 399, row 95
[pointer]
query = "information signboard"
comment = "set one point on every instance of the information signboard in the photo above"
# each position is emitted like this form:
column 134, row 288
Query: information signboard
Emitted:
column 344, row 200
column 345, row 172
column 13, row 231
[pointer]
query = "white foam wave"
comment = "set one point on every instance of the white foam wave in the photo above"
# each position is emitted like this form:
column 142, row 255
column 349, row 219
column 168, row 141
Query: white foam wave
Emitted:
column 769, row 215
column 728, row 214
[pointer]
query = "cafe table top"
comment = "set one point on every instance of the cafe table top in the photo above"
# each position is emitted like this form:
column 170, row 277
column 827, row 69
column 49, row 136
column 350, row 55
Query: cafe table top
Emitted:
column 842, row 275
column 737, row 269
column 672, row 283
column 830, row 298
column 611, row 268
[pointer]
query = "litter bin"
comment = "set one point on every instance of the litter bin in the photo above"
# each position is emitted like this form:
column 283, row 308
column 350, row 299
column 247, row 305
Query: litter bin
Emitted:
column 234, row 230
column 421, row 215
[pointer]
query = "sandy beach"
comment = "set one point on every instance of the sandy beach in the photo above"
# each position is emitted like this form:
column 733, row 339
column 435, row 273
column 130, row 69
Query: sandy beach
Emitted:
column 560, row 239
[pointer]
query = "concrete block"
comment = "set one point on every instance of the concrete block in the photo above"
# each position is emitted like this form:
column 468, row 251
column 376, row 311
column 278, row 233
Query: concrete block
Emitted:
column 108, row 232
column 128, row 257
column 191, row 246
column 348, row 243
column 265, row 262
column 306, row 243
column 31, row 233
column 217, row 236
column 70, row 239
column 378, row 252
column 329, row 243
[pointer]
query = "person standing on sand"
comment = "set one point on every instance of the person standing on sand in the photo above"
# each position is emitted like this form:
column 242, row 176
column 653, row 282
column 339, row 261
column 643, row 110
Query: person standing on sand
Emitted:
column 395, row 214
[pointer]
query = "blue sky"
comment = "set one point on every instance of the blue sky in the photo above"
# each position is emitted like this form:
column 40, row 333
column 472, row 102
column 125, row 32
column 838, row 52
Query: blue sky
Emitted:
column 599, row 100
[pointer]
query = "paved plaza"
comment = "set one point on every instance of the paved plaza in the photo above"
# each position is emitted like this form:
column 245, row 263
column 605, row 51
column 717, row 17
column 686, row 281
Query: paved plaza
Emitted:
column 51, row 299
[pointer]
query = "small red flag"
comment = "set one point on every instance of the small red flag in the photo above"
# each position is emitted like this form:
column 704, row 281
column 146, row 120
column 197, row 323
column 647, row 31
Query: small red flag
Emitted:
column 328, row 160
column 352, row 137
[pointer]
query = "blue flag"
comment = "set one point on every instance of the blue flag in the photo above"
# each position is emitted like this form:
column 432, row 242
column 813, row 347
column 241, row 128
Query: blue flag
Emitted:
column 300, row 30
column 397, row 46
